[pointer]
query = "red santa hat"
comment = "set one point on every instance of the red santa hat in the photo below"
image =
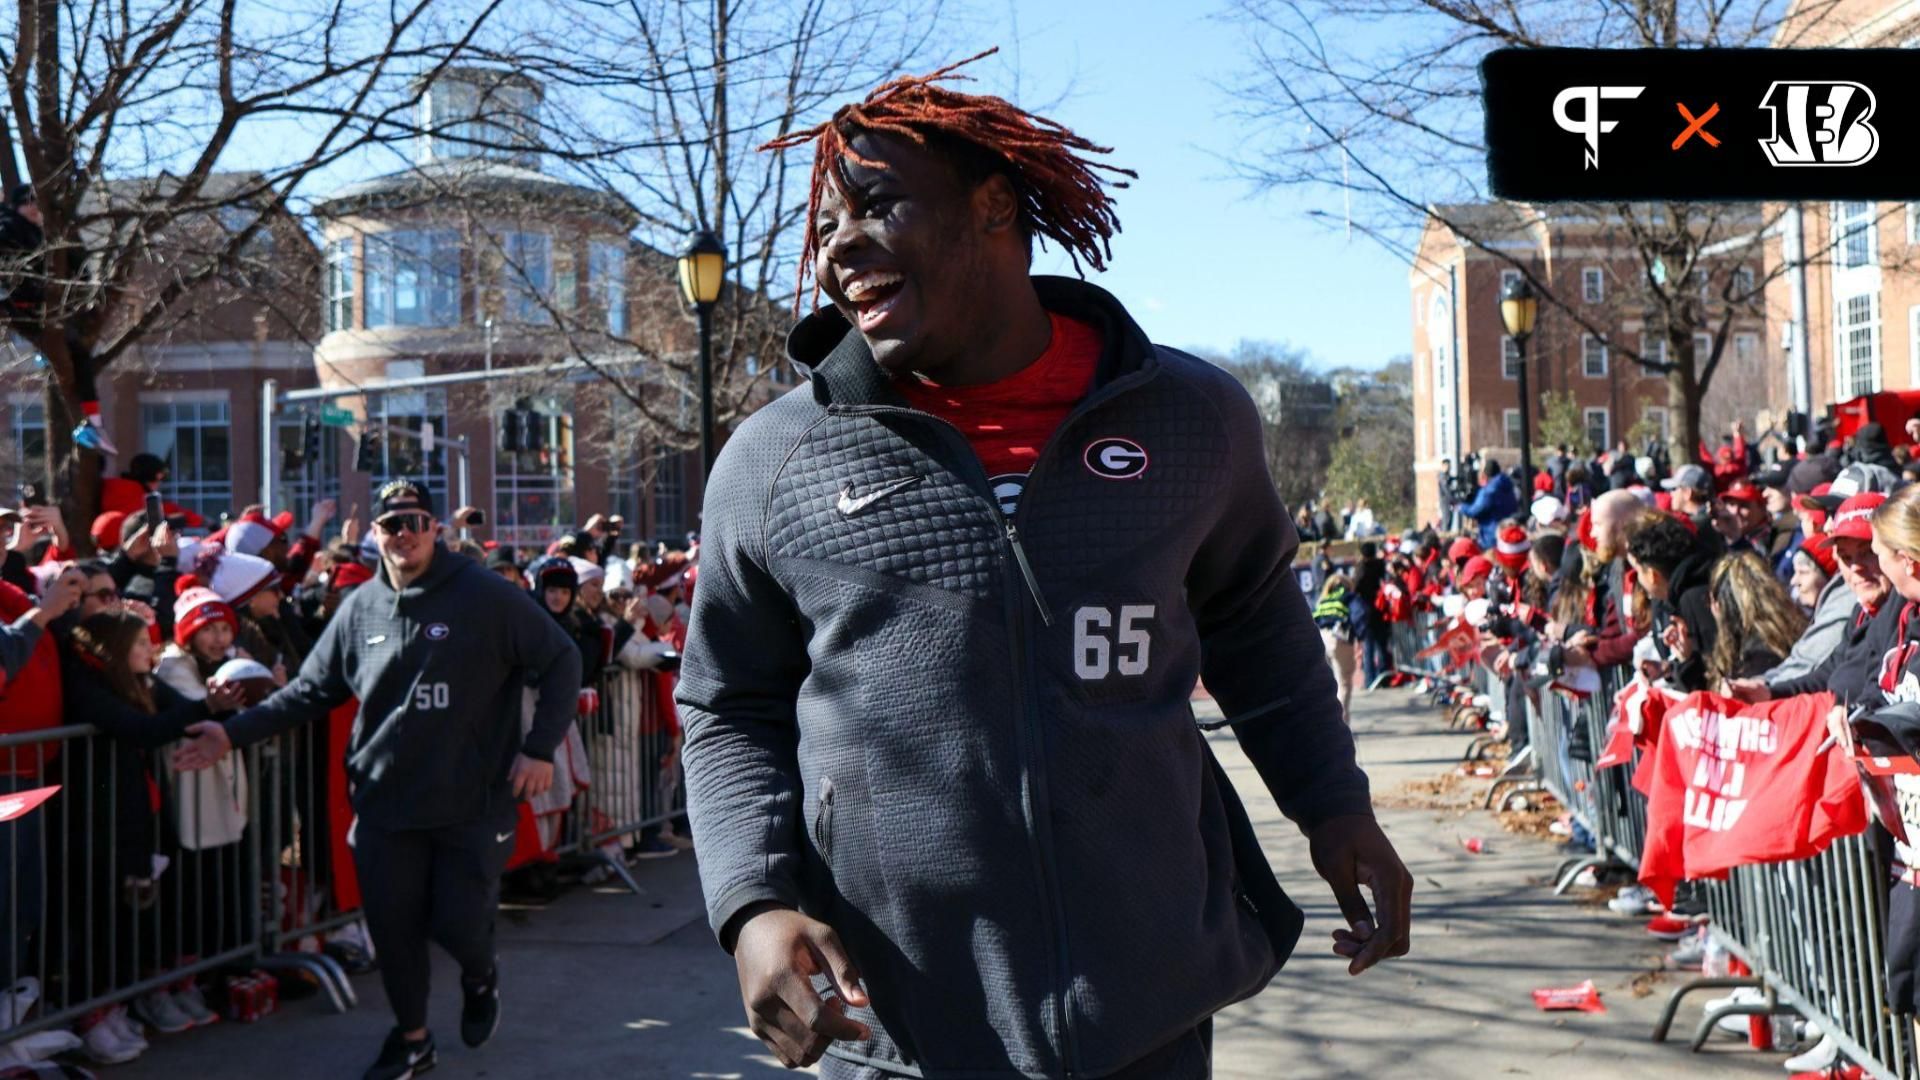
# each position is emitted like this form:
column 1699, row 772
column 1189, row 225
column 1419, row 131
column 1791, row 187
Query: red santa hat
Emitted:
column 1477, row 567
column 1511, row 547
column 197, row 607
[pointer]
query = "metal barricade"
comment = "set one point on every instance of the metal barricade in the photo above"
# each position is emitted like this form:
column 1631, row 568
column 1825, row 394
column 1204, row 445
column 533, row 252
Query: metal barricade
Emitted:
column 133, row 878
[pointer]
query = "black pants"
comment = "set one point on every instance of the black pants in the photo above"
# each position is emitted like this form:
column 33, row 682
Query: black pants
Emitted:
column 1188, row 1057
column 439, row 884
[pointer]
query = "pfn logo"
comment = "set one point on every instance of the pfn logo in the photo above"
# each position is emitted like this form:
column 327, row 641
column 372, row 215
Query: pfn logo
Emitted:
column 1589, row 125
column 1825, row 124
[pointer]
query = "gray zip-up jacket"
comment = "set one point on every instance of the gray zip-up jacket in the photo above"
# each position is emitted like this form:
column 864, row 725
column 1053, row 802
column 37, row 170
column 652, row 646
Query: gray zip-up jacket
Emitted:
column 438, row 668
column 965, row 741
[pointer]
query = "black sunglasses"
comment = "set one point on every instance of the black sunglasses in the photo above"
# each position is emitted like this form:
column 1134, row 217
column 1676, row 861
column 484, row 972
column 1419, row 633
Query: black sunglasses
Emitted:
column 399, row 523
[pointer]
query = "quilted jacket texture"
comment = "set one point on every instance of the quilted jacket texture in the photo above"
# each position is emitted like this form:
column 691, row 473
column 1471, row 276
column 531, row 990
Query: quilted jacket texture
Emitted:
column 995, row 790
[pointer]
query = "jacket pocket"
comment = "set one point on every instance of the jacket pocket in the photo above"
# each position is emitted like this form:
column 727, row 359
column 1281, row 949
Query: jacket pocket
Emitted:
column 823, row 822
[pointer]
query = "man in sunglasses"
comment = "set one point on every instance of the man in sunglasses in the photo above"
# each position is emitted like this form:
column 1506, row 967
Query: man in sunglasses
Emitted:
column 437, row 650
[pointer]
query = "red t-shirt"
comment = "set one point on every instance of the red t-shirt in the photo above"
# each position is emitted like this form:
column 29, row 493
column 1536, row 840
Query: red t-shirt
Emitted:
column 1009, row 421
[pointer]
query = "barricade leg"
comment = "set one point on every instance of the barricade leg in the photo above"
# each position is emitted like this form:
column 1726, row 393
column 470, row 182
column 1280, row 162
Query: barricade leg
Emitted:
column 1705, row 982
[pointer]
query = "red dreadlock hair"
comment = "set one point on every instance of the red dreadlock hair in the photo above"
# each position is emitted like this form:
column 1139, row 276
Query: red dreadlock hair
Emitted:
column 1061, row 194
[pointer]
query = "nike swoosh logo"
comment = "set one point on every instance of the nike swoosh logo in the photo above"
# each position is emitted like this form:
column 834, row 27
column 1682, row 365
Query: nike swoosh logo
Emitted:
column 850, row 506
column 376, row 639
column 503, row 838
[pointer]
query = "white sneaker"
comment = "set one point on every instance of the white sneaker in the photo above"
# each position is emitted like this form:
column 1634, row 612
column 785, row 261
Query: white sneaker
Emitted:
column 1635, row 899
column 126, row 1026
column 17, row 1000
column 160, row 1012
column 1691, row 954
column 103, row 1045
column 1824, row 1055
column 1736, row 1024
column 193, row 1003
column 1587, row 878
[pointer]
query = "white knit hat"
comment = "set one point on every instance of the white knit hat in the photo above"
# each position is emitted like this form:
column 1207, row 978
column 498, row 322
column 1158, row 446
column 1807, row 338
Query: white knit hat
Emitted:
column 586, row 571
column 232, row 576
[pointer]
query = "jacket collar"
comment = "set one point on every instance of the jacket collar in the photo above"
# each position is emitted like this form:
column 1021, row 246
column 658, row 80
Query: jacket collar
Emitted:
column 835, row 358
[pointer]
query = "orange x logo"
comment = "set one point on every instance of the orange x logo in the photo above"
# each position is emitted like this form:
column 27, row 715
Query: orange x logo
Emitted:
column 1697, row 125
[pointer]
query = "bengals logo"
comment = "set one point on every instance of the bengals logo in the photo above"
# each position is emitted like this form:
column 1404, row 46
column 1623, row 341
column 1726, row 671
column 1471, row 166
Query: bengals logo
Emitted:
column 1820, row 123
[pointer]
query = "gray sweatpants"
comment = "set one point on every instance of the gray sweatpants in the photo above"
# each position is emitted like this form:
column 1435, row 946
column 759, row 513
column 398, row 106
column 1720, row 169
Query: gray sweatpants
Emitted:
column 439, row 884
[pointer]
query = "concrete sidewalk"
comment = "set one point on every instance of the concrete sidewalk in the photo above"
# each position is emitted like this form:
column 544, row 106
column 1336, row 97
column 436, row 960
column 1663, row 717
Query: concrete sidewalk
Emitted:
column 607, row 984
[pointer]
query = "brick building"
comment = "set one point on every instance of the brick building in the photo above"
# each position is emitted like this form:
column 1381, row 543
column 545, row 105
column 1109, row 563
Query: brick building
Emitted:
column 1465, row 368
column 1844, row 277
column 469, row 259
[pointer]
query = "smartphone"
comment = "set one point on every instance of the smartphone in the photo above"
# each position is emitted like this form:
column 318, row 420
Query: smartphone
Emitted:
column 154, row 512
column 31, row 495
column 475, row 517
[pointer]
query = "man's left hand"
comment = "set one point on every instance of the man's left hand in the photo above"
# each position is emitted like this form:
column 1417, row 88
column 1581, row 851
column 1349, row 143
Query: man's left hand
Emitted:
column 1351, row 851
column 530, row 778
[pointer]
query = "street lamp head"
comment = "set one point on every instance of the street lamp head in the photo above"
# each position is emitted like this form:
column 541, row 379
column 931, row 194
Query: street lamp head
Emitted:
column 1518, row 308
column 703, row 266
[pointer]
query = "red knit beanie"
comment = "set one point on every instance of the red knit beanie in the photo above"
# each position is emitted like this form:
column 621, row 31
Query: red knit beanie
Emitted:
column 197, row 607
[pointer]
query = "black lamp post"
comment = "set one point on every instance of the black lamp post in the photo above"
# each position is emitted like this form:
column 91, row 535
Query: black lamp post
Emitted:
column 703, row 267
column 1518, row 309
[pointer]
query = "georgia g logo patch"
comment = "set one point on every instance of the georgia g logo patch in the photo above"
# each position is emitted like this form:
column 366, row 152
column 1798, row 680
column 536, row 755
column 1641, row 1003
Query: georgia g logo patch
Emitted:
column 437, row 631
column 1115, row 458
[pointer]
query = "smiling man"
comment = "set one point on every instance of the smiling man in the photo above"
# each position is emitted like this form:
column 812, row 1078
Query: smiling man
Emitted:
column 439, row 653
column 955, row 816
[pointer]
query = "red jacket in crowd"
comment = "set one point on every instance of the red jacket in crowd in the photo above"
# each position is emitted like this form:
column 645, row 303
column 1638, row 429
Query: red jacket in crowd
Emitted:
column 31, row 700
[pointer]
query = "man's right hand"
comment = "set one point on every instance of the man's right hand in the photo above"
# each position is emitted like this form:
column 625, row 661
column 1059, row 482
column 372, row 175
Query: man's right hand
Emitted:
column 775, row 951
column 207, row 742
column 1751, row 691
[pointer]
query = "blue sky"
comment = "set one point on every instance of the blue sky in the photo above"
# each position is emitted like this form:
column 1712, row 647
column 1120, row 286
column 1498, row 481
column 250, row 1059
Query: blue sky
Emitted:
column 1204, row 260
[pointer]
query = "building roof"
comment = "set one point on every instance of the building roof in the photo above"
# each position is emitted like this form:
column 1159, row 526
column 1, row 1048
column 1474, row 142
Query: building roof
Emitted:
column 423, row 184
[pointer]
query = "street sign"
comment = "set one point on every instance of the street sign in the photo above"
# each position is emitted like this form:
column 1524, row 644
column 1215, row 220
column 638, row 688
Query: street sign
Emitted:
column 335, row 416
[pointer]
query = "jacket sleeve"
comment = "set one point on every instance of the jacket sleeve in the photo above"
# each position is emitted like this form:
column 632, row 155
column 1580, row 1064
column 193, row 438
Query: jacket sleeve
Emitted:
column 740, row 677
column 17, row 642
column 1260, row 654
column 1477, row 507
column 542, row 649
column 313, row 693
column 94, row 704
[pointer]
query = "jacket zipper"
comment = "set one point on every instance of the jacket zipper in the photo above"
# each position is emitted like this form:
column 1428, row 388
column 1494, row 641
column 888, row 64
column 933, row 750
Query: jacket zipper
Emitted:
column 1032, row 739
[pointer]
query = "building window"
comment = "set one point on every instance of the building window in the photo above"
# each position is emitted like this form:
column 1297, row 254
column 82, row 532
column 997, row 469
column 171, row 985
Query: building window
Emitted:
column 1654, row 348
column 1593, row 357
column 1657, row 418
column 1593, row 285
column 400, row 454
column 1599, row 431
column 1857, row 327
column 194, row 438
column 1702, row 349
column 607, row 283
column 525, row 276
column 413, row 278
column 306, row 480
column 1745, row 346
column 1743, row 284
column 1853, row 225
column 669, row 493
column 533, row 489
column 340, row 284
column 26, row 447
column 1510, row 422
column 1509, row 358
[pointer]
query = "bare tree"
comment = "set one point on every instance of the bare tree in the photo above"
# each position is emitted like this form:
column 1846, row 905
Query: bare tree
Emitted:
column 121, row 117
column 1392, row 123
column 1297, row 409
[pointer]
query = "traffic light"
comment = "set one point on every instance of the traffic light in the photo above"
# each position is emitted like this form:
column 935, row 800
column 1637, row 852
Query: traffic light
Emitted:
column 310, row 431
column 367, row 459
column 534, row 427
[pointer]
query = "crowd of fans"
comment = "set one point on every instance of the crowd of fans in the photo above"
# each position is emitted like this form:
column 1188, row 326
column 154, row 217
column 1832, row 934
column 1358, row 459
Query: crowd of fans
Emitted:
column 170, row 620
column 1755, row 580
